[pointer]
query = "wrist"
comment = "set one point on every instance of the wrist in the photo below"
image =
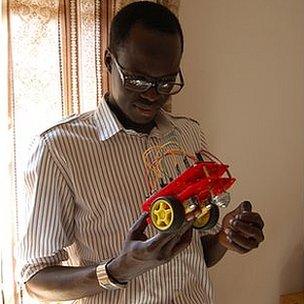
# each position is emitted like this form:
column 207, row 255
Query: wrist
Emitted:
column 213, row 249
column 222, row 240
column 106, row 280
column 114, row 269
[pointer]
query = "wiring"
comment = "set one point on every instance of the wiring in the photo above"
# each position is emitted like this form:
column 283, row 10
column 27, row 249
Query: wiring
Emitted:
column 155, row 159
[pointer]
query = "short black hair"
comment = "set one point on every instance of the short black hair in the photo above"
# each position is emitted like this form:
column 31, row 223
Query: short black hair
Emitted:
column 149, row 14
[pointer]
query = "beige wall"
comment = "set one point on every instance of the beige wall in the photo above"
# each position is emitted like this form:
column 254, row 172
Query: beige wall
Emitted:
column 244, row 68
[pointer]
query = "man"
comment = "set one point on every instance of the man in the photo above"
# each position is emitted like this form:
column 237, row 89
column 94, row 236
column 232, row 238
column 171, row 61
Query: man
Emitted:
column 86, row 185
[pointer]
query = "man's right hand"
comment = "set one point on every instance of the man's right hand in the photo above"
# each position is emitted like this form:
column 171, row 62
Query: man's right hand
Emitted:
column 140, row 254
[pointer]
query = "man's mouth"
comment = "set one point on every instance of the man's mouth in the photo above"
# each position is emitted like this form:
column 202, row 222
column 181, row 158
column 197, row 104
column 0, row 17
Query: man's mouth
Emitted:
column 146, row 110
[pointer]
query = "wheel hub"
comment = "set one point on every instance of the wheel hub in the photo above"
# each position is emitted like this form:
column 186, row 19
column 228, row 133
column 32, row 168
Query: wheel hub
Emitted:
column 162, row 214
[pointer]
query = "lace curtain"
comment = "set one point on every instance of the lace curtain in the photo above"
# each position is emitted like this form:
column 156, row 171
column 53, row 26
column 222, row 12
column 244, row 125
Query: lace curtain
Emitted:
column 55, row 66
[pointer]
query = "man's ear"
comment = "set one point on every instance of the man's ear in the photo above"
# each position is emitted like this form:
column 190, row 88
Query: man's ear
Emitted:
column 108, row 60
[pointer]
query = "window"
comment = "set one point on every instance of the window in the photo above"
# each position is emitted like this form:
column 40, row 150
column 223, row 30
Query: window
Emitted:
column 51, row 51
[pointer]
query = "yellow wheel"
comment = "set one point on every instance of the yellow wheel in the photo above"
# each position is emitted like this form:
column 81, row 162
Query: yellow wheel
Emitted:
column 167, row 214
column 208, row 220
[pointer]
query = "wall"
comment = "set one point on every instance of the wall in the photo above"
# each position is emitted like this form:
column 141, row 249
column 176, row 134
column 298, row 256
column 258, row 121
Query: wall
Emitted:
column 244, row 71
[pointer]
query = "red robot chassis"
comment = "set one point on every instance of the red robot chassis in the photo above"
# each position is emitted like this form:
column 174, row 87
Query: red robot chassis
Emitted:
column 201, row 189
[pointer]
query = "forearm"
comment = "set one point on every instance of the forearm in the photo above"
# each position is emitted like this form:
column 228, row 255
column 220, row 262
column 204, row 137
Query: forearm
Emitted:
column 61, row 283
column 213, row 250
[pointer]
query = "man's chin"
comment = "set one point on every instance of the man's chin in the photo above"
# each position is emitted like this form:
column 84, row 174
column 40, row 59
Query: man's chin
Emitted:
column 143, row 121
column 143, row 116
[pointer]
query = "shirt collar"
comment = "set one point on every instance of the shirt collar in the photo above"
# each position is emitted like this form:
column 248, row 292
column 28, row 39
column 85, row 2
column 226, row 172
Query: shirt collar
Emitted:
column 108, row 125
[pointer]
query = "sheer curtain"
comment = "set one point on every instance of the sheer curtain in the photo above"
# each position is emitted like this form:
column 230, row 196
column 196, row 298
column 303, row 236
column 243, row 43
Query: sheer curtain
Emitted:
column 54, row 55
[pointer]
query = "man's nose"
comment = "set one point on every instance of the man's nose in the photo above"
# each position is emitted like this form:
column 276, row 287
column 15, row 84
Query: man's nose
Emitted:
column 151, row 94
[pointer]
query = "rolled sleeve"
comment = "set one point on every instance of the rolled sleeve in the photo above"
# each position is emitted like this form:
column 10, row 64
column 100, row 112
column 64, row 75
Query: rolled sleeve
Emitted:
column 49, row 225
column 34, row 265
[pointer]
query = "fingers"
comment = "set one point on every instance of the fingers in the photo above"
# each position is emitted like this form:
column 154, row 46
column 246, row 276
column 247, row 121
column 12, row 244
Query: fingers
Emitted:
column 244, row 213
column 243, row 242
column 246, row 206
column 242, row 208
column 166, row 245
column 248, row 230
column 158, row 241
column 181, row 240
column 161, row 239
column 242, row 229
column 242, row 237
column 137, row 229
column 251, row 217
column 231, row 245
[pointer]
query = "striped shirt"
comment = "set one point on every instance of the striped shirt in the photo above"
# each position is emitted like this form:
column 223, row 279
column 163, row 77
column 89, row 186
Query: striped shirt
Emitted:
column 85, row 187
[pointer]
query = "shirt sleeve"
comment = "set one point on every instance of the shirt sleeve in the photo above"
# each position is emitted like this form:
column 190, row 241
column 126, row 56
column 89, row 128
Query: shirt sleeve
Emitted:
column 49, row 225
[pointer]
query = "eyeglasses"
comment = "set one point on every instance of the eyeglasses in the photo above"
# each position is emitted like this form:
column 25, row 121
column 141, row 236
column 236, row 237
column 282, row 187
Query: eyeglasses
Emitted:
column 165, row 86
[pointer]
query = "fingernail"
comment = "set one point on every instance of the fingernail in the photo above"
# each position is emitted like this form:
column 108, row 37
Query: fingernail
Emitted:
column 231, row 221
column 238, row 217
column 227, row 230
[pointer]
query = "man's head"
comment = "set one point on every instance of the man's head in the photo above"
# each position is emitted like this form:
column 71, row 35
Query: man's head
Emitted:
column 146, row 42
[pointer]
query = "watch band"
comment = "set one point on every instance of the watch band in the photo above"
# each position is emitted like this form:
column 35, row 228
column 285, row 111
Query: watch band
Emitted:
column 104, row 280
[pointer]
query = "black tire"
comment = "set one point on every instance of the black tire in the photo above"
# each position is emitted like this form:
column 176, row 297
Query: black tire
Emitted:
column 213, row 219
column 178, row 213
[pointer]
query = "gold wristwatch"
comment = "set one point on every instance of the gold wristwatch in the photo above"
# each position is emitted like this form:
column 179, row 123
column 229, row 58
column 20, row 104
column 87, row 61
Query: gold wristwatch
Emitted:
column 104, row 280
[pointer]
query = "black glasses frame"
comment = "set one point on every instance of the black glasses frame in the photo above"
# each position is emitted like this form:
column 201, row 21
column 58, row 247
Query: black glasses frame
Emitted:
column 124, row 76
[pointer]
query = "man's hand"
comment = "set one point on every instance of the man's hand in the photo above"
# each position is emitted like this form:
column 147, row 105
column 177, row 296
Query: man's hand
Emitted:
column 140, row 254
column 242, row 229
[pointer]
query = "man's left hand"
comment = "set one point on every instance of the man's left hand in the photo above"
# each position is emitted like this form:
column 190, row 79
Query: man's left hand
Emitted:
column 242, row 229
